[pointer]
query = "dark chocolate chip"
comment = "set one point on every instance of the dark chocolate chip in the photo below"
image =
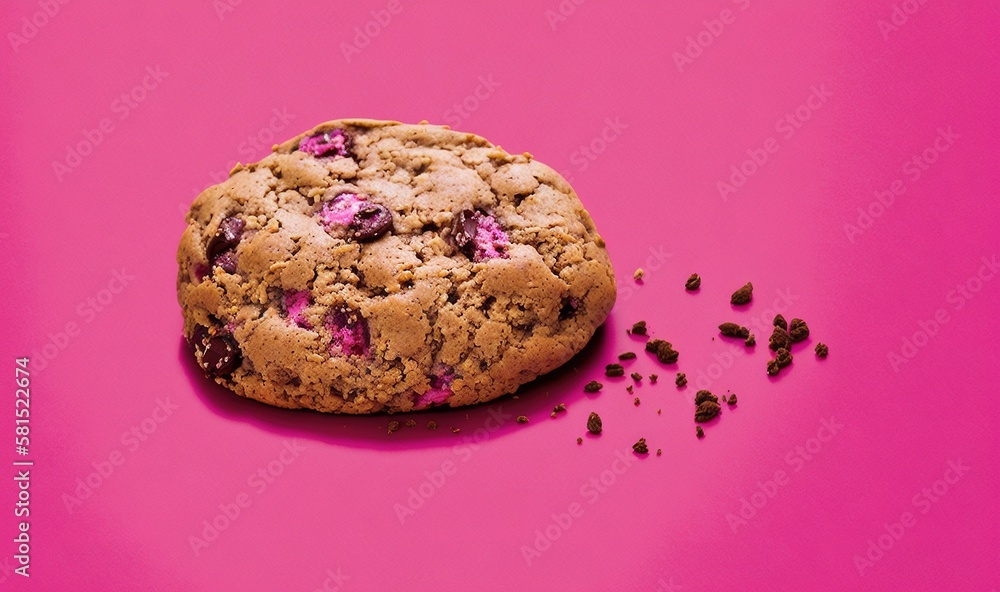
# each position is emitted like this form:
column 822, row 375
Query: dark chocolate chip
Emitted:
column 639, row 328
column 226, row 238
column 463, row 231
column 592, row 387
column 221, row 356
column 613, row 370
column 743, row 295
column 594, row 423
column 370, row 222
column 693, row 282
column 569, row 308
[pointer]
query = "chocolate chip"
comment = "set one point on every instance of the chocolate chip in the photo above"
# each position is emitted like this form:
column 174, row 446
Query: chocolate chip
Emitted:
column 779, row 339
column 594, row 423
column 734, row 330
column 779, row 321
column 743, row 295
column 221, row 356
column 463, row 231
column 681, row 379
column 798, row 330
column 693, row 282
column 639, row 328
column 640, row 447
column 706, row 411
column 569, row 308
column 703, row 396
column 613, row 370
column 592, row 387
column 226, row 237
column 699, row 432
column 732, row 399
column 370, row 222
column 822, row 350
column 627, row 356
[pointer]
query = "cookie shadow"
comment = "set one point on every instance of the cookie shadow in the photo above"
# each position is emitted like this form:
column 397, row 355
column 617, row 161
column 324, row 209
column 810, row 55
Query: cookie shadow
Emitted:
column 480, row 423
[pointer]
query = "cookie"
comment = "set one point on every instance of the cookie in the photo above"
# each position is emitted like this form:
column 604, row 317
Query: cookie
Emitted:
column 369, row 266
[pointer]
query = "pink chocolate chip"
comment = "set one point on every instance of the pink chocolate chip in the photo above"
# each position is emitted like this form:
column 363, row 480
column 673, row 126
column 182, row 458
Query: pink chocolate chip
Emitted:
column 296, row 302
column 480, row 236
column 439, row 390
column 349, row 333
column 329, row 143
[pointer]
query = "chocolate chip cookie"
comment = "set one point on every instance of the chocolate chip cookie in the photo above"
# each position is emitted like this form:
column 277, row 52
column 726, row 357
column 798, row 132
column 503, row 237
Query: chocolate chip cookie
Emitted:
column 370, row 266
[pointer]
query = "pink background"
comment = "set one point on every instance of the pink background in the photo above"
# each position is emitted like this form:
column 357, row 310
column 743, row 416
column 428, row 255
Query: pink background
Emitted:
column 663, row 523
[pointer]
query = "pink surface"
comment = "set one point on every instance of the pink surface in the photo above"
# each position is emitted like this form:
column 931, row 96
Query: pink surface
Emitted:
column 867, row 204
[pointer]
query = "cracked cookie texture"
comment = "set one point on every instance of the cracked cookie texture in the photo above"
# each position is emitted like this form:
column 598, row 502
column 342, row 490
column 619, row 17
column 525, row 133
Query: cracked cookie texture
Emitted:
column 369, row 266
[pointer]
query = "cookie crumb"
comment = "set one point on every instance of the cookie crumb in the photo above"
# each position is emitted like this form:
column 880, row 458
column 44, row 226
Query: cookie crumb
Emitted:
column 640, row 447
column 636, row 376
column 798, row 330
column 455, row 430
column 772, row 368
column 703, row 395
column 613, row 370
column 699, row 432
column 579, row 440
column 637, row 276
column 732, row 399
column 779, row 339
column 552, row 415
column 594, row 423
column 639, row 328
column 664, row 351
column 822, row 350
column 592, row 387
column 706, row 411
column 659, row 452
column 410, row 423
column 559, row 407
column 734, row 330
column 693, row 282
column 659, row 411
column 522, row 419
column 627, row 356
column 432, row 425
column 783, row 357
column 652, row 378
column 724, row 398
column 629, row 389
column 681, row 379
column 393, row 426
column 637, row 401
column 779, row 321
column 743, row 295
column 751, row 341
